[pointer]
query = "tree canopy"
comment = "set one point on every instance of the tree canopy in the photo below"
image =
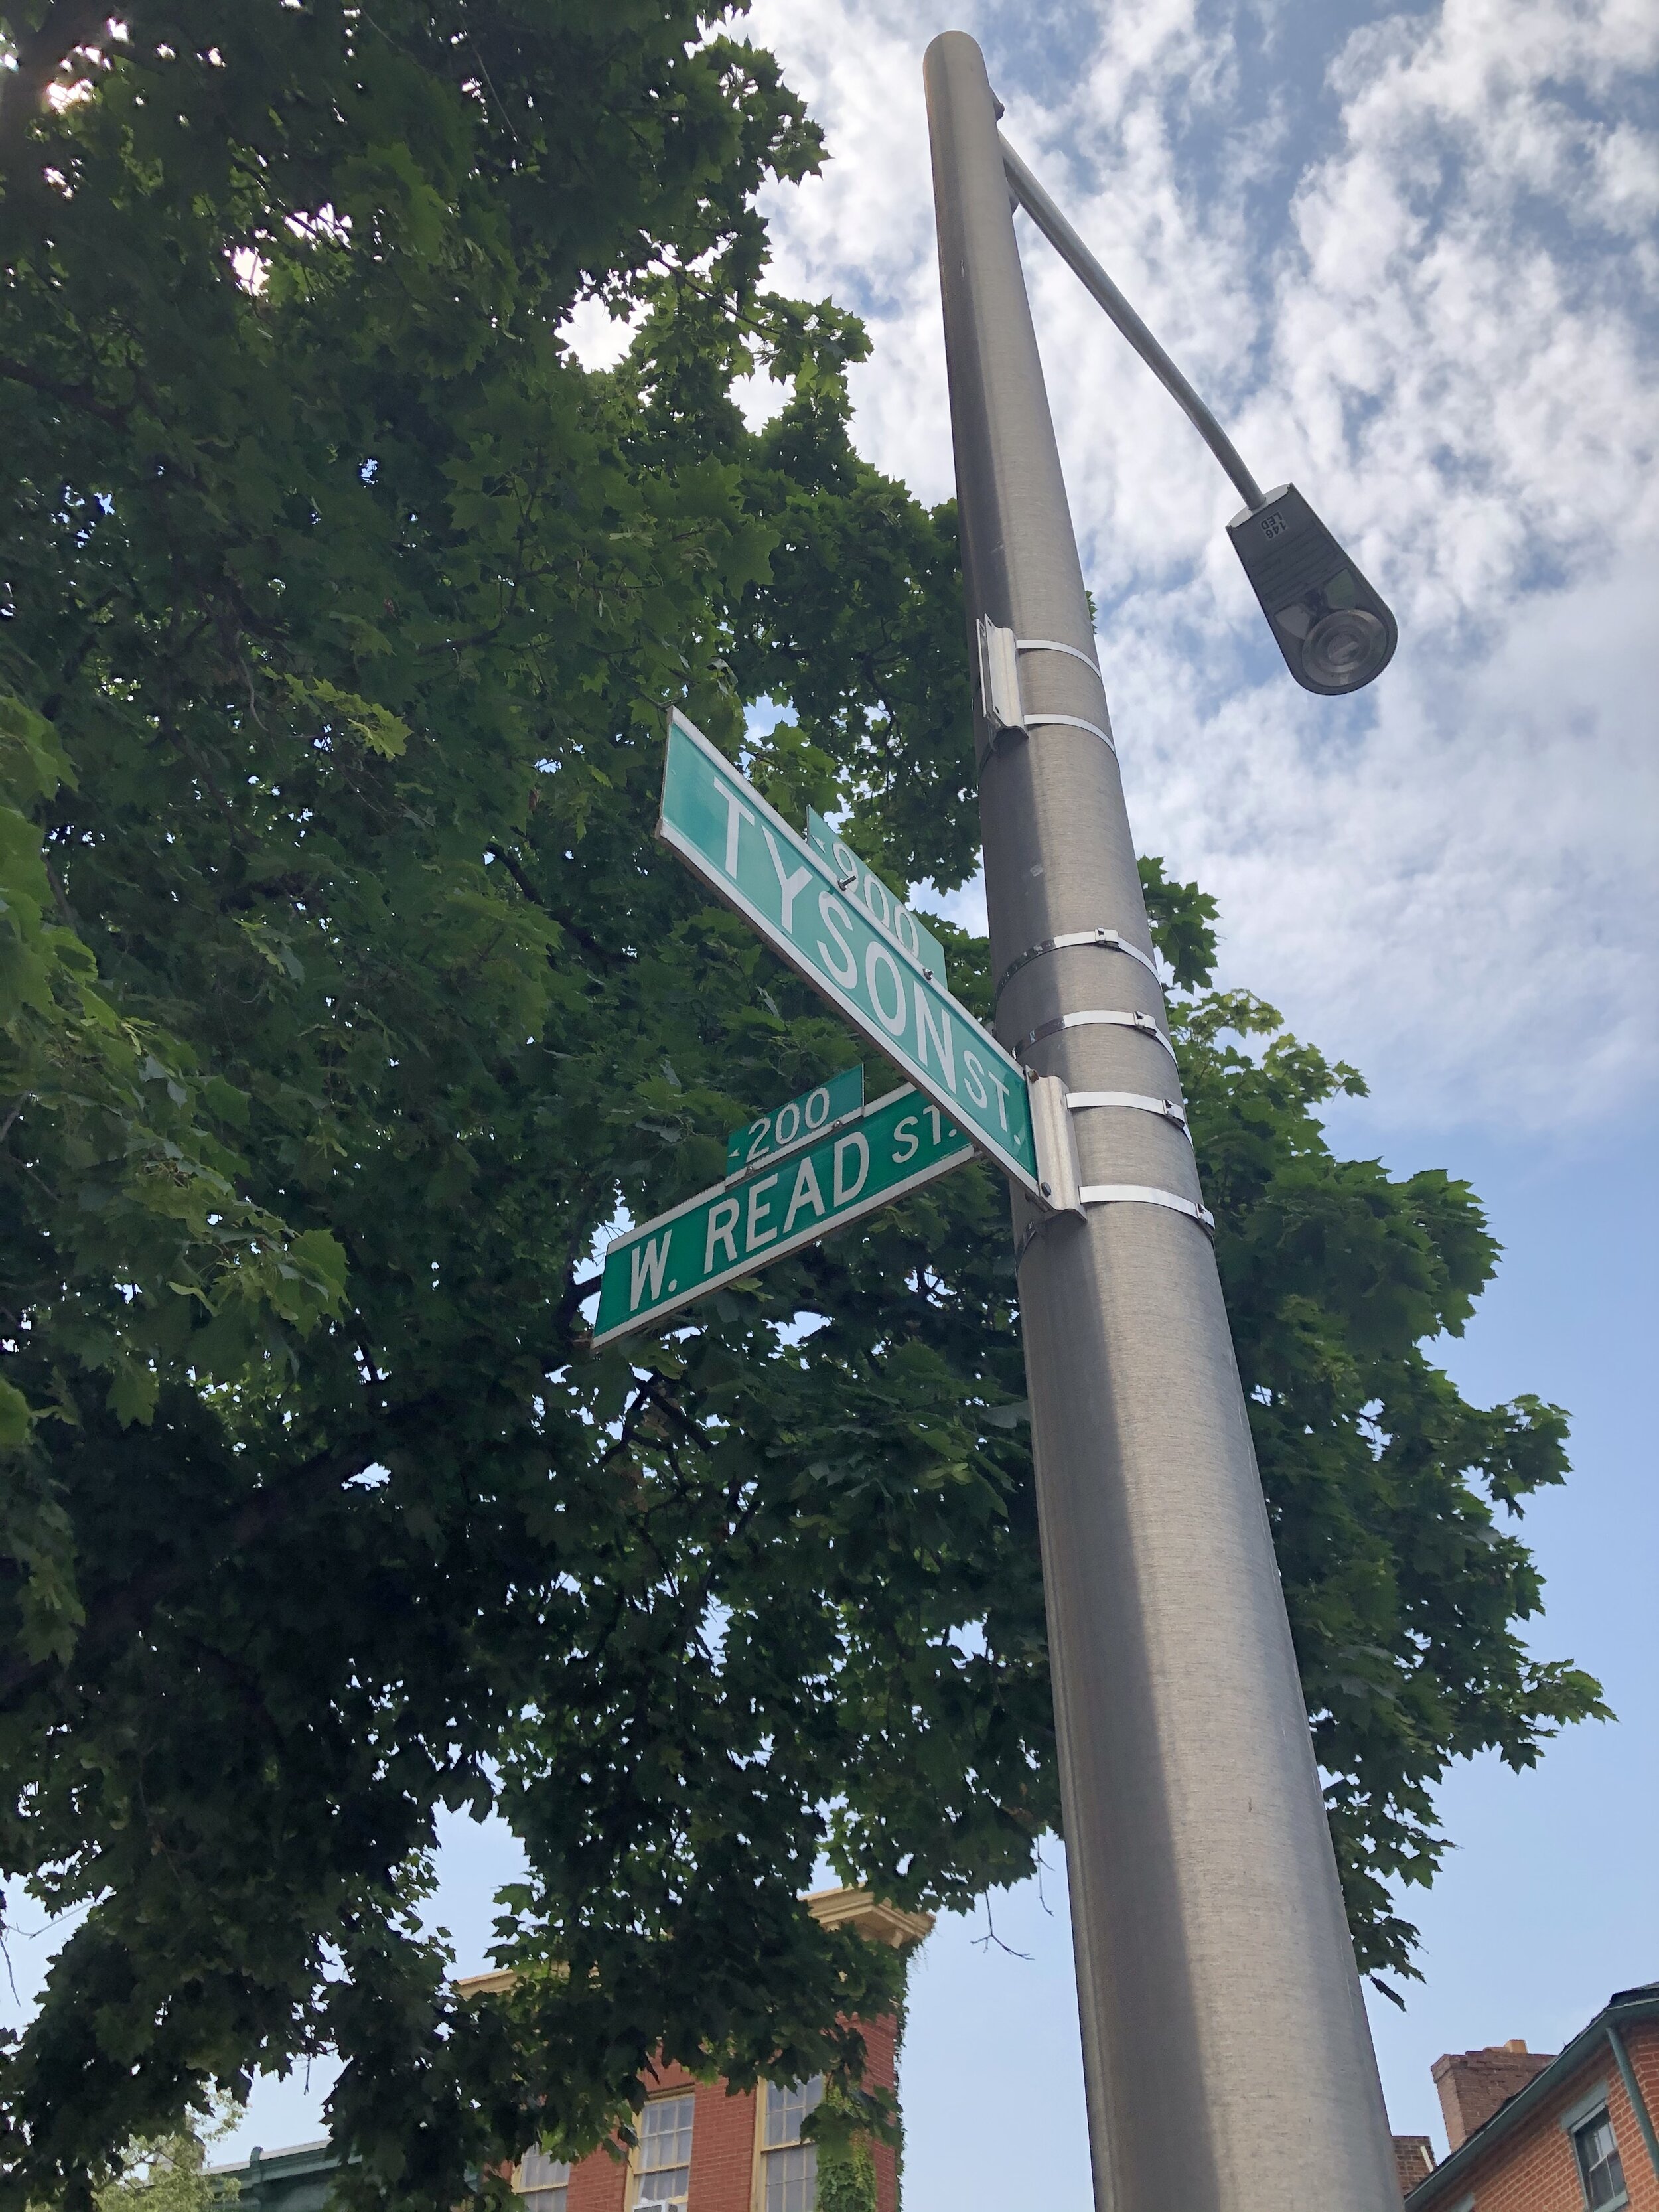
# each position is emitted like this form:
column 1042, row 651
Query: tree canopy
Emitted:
column 346, row 1000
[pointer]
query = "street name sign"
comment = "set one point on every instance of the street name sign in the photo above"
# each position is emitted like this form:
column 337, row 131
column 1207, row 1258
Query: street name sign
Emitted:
column 893, row 1147
column 748, row 856
column 862, row 885
column 797, row 1121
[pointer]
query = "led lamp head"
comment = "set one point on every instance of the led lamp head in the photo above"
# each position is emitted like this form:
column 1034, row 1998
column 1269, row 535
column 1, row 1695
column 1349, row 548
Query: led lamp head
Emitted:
column 1335, row 633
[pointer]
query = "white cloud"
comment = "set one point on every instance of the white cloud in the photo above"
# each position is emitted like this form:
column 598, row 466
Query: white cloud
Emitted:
column 597, row 338
column 1456, row 900
column 1413, row 269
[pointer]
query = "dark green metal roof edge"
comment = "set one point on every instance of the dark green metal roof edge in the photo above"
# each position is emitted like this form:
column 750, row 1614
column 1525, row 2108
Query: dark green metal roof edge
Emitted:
column 1641, row 2003
column 291, row 2159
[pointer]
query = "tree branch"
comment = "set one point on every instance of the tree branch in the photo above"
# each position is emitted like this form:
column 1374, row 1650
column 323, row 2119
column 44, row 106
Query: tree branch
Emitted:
column 19, row 372
column 114, row 1617
column 585, row 937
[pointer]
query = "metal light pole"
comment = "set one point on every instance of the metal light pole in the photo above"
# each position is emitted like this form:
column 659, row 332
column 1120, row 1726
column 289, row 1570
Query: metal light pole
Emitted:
column 1227, row 2051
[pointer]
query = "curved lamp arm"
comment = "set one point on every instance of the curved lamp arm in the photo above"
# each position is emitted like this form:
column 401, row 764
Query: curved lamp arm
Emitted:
column 1071, row 249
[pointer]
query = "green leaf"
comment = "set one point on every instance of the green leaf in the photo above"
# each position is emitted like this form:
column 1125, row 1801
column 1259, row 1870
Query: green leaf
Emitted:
column 133, row 1393
column 16, row 1422
column 32, row 759
column 380, row 729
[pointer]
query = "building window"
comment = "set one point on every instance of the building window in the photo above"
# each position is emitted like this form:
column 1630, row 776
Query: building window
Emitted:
column 664, row 2160
column 1598, row 2161
column 792, row 2166
column 543, row 2183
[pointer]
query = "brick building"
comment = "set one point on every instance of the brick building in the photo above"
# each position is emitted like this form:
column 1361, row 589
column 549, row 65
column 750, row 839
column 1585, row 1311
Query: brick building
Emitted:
column 1531, row 2133
column 702, row 2147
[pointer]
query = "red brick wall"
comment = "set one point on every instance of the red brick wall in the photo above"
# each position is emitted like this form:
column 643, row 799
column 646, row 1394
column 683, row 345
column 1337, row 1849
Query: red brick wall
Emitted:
column 598, row 2185
column 1533, row 2169
column 723, row 2142
column 722, row 2150
column 880, row 2044
column 1414, row 2161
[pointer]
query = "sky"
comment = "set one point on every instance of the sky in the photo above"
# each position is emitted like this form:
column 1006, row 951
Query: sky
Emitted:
column 1408, row 257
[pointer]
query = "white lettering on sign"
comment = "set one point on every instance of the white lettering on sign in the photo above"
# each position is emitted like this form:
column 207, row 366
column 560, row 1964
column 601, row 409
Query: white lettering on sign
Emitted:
column 753, row 1238
column 806, row 1193
column 876, row 958
column 931, row 1021
column 791, row 886
column 722, row 1220
column 868, row 892
column 779, row 1131
column 845, row 1192
column 736, row 811
column 648, row 1261
column 904, row 1135
column 974, row 1074
column 835, row 918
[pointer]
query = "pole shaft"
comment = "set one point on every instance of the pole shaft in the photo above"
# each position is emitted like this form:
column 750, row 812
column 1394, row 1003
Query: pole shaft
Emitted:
column 1227, row 2051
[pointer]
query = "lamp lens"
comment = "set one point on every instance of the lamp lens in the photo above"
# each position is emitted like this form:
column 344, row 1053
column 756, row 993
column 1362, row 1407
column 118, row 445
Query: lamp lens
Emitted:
column 1345, row 648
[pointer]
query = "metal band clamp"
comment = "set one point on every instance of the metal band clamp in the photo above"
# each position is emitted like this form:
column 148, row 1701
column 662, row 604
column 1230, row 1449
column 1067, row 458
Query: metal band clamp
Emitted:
column 1122, row 1193
column 1073, row 722
column 1095, row 1016
column 1052, row 645
column 1165, row 1108
column 1140, row 1194
column 1108, row 940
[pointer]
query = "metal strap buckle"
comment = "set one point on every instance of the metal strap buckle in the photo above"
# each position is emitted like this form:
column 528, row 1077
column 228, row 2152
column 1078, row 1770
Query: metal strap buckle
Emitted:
column 1095, row 1017
column 1165, row 1108
column 1140, row 1194
column 1108, row 940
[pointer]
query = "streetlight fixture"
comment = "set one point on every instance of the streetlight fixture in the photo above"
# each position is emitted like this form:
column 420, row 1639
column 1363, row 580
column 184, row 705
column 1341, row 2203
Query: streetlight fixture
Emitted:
column 1336, row 632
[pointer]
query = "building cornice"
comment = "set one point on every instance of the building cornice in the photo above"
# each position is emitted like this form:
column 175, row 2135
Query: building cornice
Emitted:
column 863, row 1909
column 859, row 1909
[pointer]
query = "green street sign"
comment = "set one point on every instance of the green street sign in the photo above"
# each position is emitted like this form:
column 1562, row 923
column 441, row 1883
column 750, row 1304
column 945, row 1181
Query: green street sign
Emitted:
column 865, row 889
column 797, row 1121
column 747, row 854
column 894, row 1146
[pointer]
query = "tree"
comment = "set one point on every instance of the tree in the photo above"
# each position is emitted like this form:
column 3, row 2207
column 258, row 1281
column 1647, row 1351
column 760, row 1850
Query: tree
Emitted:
column 170, row 2174
column 346, row 999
